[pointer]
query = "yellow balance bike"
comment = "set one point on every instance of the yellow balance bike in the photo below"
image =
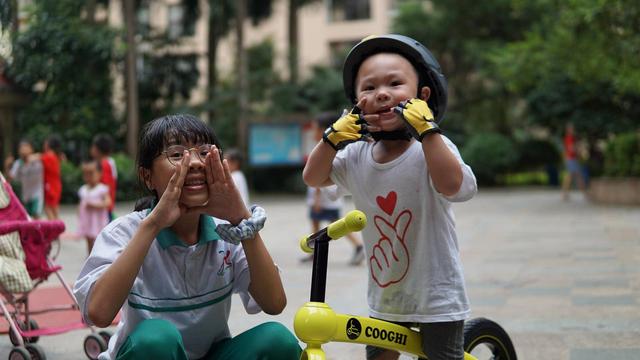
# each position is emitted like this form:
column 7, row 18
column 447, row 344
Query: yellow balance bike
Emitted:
column 316, row 323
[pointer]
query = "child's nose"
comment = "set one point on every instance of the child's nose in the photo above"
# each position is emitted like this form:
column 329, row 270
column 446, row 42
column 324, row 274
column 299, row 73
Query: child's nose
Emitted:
column 382, row 95
column 195, row 160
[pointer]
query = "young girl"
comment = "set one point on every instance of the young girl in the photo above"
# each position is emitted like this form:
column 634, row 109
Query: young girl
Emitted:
column 94, row 203
column 171, row 268
column 51, row 157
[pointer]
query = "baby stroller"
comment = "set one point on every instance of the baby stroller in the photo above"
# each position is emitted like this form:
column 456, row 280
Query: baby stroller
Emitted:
column 24, row 264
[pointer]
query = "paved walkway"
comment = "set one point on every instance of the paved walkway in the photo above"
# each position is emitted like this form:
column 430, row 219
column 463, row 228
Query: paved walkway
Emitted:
column 563, row 278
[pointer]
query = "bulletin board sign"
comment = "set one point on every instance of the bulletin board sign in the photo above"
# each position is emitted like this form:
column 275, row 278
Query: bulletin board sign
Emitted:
column 275, row 144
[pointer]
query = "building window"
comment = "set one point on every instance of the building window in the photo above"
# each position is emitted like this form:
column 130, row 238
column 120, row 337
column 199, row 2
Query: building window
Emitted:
column 338, row 51
column 182, row 21
column 347, row 10
column 144, row 26
column 175, row 27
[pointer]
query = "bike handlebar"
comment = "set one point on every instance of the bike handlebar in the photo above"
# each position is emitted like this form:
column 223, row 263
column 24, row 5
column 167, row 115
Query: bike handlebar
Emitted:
column 355, row 220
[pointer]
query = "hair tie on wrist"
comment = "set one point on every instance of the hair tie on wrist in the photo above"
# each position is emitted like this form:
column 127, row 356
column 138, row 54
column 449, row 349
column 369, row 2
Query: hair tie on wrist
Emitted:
column 246, row 229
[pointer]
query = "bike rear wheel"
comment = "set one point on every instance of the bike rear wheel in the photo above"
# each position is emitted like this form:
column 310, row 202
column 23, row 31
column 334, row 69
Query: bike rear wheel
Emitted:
column 485, row 339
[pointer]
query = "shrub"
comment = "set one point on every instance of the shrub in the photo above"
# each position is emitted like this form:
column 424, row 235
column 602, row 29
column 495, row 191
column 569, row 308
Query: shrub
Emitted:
column 128, row 187
column 489, row 155
column 71, row 176
column 535, row 154
column 622, row 156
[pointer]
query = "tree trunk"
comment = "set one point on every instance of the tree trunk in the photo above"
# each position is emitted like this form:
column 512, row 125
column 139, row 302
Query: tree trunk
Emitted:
column 293, row 41
column 90, row 9
column 131, row 79
column 216, row 14
column 241, row 73
column 15, row 21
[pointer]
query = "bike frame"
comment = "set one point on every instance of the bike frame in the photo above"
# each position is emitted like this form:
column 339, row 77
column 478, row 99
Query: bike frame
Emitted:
column 316, row 323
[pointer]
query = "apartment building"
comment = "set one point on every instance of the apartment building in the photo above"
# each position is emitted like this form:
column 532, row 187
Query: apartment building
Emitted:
column 326, row 28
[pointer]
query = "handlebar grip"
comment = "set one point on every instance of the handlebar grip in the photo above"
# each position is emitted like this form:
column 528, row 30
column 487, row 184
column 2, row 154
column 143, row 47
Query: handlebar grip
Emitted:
column 355, row 220
column 304, row 245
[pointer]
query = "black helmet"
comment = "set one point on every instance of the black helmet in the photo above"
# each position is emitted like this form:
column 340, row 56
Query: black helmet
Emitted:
column 429, row 71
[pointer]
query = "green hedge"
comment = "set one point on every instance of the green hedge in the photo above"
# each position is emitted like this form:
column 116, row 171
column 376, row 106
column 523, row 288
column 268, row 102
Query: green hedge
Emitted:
column 622, row 156
column 490, row 155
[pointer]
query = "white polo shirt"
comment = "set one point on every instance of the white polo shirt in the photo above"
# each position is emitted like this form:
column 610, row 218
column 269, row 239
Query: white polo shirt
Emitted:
column 190, row 286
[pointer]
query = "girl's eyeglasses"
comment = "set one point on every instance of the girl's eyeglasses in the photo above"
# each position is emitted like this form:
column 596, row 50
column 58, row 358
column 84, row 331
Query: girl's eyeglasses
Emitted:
column 175, row 153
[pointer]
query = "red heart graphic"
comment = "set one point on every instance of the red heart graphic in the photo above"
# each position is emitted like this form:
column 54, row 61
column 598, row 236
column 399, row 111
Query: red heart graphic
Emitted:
column 387, row 204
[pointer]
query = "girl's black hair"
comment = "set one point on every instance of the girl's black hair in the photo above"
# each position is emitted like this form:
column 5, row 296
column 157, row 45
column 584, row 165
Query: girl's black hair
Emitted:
column 55, row 143
column 103, row 143
column 26, row 141
column 162, row 132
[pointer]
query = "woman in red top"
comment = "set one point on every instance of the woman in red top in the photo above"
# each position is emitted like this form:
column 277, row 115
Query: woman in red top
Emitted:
column 51, row 156
column 574, row 170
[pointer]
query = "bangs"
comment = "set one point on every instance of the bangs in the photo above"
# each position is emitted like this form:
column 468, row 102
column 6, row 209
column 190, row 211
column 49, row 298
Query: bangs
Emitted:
column 170, row 130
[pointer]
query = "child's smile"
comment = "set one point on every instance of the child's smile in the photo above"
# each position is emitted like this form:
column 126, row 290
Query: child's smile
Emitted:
column 383, row 81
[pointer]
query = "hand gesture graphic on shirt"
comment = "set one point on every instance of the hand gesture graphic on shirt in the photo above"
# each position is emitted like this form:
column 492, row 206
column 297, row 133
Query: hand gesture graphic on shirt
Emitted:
column 390, row 259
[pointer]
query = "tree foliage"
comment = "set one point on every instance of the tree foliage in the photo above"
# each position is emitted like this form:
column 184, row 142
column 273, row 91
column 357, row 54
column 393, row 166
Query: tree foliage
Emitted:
column 64, row 62
column 565, row 61
column 461, row 34
column 579, row 64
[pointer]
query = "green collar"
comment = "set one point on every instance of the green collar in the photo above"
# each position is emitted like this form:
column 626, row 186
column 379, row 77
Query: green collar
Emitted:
column 207, row 232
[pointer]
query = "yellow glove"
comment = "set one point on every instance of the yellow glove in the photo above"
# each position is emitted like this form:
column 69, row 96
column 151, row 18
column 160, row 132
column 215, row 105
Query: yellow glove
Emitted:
column 349, row 128
column 418, row 118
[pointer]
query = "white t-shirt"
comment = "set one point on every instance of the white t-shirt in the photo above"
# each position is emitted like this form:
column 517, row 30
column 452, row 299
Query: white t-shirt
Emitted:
column 415, row 274
column 329, row 198
column 241, row 184
column 190, row 286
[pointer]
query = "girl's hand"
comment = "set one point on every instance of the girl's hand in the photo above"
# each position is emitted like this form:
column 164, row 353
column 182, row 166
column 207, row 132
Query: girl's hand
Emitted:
column 225, row 202
column 169, row 208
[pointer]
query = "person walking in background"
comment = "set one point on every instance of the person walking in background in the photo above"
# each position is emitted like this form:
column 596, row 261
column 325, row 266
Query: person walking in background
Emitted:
column 573, row 168
column 325, row 204
column 28, row 170
column 101, row 149
column 51, row 157
column 94, row 203
column 235, row 159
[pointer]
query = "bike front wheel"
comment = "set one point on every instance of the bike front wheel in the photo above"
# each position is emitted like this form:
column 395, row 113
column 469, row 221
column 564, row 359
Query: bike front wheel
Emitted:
column 485, row 339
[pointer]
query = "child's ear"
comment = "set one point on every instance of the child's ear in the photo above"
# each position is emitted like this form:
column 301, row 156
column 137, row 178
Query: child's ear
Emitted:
column 425, row 92
column 145, row 175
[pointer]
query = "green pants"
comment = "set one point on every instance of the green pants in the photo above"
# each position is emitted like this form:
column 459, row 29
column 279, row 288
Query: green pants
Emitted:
column 159, row 339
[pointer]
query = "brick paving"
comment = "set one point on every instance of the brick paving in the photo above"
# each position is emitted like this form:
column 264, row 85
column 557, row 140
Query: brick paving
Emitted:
column 563, row 278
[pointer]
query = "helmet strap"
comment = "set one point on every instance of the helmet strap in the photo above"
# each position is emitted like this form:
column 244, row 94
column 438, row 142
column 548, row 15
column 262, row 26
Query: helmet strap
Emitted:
column 401, row 134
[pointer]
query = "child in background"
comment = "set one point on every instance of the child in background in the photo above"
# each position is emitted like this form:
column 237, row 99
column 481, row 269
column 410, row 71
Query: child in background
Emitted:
column 405, row 182
column 51, row 157
column 234, row 158
column 325, row 203
column 171, row 268
column 28, row 170
column 94, row 203
column 101, row 148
